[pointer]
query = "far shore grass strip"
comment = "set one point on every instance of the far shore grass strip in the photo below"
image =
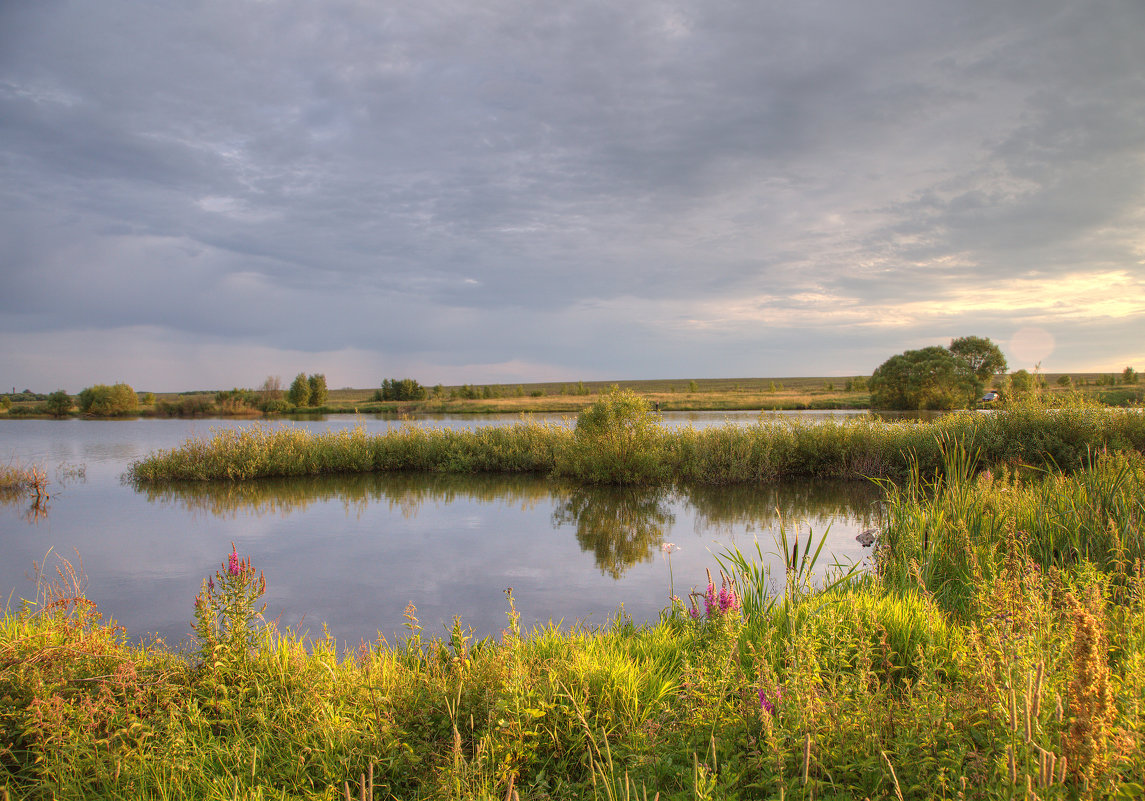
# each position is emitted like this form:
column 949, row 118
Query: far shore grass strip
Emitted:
column 627, row 446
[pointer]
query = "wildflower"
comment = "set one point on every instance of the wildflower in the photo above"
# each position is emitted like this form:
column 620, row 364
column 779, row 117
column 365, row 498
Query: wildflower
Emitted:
column 728, row 600
column 669, row 547
column 766, row 704
column 233, row 563
column 710, row 602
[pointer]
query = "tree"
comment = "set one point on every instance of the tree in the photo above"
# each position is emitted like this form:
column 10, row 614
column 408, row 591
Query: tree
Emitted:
column 271, row 390
column 1128, row 376
column 299, row 394
column 317, row 389
column 407, row 389
column 930, row 378
column 59, row 403
column 982, row 356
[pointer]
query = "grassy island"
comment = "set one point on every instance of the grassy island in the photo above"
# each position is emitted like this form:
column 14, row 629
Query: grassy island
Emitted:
column 997, row 651
column 617, row 440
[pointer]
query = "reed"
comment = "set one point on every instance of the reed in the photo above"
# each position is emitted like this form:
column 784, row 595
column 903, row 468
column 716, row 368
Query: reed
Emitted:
column 616, row 440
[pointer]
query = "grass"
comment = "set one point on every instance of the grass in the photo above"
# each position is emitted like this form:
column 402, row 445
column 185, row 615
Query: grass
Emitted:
column 628, row 447
column 19, row 483
column 997, row 651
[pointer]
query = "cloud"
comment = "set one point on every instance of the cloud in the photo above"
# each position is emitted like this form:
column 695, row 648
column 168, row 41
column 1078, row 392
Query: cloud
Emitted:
column 653, row 188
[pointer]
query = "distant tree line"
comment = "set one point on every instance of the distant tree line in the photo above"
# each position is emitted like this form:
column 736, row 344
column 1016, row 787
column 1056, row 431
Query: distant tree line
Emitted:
column 401, row 389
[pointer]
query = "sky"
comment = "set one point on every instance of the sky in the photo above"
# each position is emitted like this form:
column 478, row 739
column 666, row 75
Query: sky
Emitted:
column 198, row 195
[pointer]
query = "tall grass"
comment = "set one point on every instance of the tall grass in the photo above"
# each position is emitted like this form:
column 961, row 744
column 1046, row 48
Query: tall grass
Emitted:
column 617, row 441
column 997, row 652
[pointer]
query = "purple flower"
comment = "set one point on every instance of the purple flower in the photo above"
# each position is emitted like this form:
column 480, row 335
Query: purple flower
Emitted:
column 211, row 584
column 728, row 599
column 233, row 564
column 766, row 704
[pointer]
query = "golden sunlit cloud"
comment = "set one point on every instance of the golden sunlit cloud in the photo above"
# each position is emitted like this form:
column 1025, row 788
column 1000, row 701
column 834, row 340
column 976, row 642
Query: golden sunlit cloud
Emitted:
column 1046, row 299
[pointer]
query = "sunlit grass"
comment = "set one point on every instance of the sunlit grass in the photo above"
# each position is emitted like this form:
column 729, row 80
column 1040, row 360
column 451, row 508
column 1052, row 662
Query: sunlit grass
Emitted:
column 997, row 648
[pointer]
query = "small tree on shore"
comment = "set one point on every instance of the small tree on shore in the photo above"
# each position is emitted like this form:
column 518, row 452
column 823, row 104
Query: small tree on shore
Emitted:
column 271, row 390
column 299, row 394
column 1021, row 382
column 318, row 391
column 59, row 403
column 982, row 356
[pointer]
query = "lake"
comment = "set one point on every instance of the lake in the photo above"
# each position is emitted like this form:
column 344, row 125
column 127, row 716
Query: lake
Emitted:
column 347, row 554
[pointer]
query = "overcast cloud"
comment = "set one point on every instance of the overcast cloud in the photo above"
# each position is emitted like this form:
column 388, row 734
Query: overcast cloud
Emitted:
column 201, row 194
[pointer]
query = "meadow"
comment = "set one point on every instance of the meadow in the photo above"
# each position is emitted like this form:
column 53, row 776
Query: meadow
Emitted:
column 996, row 651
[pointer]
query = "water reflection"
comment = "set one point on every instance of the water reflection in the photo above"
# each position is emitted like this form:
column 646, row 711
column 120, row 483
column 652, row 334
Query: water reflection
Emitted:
column 754, row 508
column 619, row 526
column 403, row 492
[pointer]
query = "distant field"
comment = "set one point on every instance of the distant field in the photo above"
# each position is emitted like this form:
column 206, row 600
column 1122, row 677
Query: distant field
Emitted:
column 671, row 394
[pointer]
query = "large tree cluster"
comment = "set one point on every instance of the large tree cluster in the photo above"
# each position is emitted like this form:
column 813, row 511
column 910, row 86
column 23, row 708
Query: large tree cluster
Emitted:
column 937, row 377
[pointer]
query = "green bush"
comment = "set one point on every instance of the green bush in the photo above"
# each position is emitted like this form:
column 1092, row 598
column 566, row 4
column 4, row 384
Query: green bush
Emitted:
column 616, row 441
column 107, row 401
column 187, row 406
column 59, row 403
column 275, row 406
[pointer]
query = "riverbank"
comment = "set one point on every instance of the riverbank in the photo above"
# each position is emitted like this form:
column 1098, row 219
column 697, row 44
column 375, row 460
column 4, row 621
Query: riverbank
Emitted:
column 997, row 652
column 617, row 440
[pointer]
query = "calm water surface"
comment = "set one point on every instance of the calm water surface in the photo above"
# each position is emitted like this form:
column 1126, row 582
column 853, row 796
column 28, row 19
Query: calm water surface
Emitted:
column 351, row 552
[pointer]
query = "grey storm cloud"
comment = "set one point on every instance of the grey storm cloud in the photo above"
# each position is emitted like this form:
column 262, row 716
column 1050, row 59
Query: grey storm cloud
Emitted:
column 504, row 190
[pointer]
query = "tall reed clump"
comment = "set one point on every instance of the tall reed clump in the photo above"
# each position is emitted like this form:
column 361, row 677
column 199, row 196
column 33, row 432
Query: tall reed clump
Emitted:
column 261, row 451
column 952, row 531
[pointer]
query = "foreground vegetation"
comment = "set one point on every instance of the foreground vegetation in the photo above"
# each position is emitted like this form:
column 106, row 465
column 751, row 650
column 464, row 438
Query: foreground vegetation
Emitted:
column 998, row 651
column 617, row 440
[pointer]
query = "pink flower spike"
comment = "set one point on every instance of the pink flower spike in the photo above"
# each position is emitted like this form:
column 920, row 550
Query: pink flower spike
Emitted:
column 233, row 564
